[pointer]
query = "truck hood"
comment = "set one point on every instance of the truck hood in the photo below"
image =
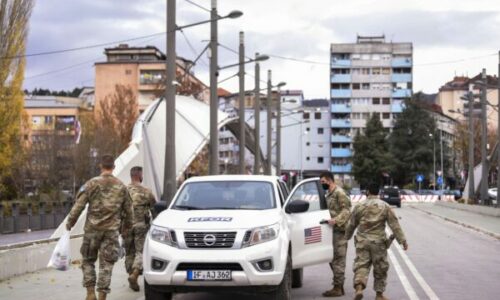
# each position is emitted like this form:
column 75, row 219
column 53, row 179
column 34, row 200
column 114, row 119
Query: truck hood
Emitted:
column 216, row 219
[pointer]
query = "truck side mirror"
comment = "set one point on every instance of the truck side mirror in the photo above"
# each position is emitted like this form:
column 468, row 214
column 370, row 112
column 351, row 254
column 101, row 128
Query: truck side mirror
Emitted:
column 297, row 206
column 160, row 206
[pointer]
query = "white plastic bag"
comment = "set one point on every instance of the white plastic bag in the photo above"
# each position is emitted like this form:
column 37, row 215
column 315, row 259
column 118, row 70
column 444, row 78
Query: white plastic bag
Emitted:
column 121, row 250
column 60, row 259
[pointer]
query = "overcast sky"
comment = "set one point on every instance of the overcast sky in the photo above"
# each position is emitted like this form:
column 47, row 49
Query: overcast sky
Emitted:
column 449, row 36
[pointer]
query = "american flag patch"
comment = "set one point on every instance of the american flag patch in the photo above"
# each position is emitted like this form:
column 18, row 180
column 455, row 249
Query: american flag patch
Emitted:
column 312, row 235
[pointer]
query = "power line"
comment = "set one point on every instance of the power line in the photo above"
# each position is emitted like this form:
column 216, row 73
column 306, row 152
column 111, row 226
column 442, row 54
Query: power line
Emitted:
column 83, row 47
column 453, row 61
column 190, row 45
column 198, row 5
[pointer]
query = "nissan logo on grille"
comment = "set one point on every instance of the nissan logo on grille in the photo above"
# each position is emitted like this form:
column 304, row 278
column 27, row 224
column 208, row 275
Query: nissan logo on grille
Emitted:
column 209, row 240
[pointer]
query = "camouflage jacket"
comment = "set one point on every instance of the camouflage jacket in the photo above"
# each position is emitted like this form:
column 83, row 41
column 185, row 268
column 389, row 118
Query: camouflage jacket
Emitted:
column 109, row 205
column 143, row 202
column 370, row 217
column 339, row 206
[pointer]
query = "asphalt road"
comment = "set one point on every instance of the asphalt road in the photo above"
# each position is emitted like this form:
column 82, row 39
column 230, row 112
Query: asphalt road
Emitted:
column 15, row 238
column 445, row 261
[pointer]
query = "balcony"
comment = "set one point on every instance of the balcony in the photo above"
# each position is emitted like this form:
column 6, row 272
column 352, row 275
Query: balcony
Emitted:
column 341, row 139
column 340, row 78
column 341, row 123
column 401, row 93
column 341, row 152
column 341, row 108
column 401, row 62
column 345, row 93
column 341, row 168
column 341, row 63
column 397, row 107
column 401, row 77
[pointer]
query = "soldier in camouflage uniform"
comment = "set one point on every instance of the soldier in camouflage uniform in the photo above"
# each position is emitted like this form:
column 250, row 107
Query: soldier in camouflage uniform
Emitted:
column 109, row 206
column 143, row 202
column 370, row 217
column 339, row 205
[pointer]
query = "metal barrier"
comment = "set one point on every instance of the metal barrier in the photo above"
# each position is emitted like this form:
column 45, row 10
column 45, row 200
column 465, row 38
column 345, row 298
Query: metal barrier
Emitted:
column 18, row 222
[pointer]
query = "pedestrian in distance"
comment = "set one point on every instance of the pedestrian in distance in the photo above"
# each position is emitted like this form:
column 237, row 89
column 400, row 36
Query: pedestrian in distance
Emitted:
column 109, row 208
column 339, row 206
column 143, row 202
column 370, row 217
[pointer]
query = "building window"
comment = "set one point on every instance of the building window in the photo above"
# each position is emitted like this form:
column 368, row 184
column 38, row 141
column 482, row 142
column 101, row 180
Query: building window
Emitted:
column 386, row 101
column 151, row 76
column 356, row 116
column 365, row 86
column 386, row 116
column 386, row 71
column 317, row 116
column 376, row 71
column 305, row 116
column 308, row 129
column 308, row 144
column 365, row 71
column 321, row 130
column 320, row 160
column 308, row 158
column 128, row 72
column 376, row 101
column 355, row 86
column 365, row 116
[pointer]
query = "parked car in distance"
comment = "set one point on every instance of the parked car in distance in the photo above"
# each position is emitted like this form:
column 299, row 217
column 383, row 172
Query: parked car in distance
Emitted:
column 492, row 193
column 391, row 195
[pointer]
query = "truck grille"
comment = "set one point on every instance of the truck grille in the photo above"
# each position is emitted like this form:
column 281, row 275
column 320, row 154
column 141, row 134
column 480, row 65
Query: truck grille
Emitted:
column 209, row 239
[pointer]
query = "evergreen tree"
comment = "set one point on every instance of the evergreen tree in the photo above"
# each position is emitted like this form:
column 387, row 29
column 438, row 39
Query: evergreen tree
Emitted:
column 371, row 158
column 411, row 143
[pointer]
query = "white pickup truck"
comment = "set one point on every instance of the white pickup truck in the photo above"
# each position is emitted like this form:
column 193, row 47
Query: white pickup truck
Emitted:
column 237, row 233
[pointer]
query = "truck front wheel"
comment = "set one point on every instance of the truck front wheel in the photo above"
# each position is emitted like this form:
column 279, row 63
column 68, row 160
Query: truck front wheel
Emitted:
column 154, row 294
column 284, row 290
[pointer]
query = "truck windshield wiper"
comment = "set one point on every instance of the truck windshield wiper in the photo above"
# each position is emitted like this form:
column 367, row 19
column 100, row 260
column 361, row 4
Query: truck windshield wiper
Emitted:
column 187, row 207
column 221, row 208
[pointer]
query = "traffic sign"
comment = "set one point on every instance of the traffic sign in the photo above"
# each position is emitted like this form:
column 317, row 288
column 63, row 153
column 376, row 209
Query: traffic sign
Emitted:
column 420, row 178
column 440, row 180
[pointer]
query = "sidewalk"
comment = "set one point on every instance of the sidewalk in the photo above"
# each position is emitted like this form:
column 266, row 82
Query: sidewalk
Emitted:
column 485, row 224
column 22, row 237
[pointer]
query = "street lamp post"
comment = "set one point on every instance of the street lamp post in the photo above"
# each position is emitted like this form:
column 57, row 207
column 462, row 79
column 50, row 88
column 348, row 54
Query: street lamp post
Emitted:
column 214, row 100
column 433, row 160
column 256, row 166
column 498, row 134
column 484, row 138
column 241, row 112
column 269, row 125
column 442, row 167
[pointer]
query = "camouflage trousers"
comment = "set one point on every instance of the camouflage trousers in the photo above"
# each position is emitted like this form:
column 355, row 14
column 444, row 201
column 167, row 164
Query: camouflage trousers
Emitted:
column 339, row 257
column 134, row 245
column 103, row 245
column 370, row 253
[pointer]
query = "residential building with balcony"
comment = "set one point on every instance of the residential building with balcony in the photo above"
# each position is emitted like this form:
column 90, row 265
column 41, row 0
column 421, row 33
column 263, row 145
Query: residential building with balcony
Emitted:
column 369, row 77
column 142, row 69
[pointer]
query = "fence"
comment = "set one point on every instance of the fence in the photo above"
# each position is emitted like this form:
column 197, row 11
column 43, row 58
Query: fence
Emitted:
column 18, row 222
column 412, row 198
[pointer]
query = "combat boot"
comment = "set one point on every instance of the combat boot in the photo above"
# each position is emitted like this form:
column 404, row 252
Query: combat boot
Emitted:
column 380, row 296
column 90, row 293
column 132, row 280
column 102, row 296
column 359, row 292
column 337, row 291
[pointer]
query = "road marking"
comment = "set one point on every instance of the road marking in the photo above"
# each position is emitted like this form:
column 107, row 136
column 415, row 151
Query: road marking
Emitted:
column 427, row 289
column 402, row 277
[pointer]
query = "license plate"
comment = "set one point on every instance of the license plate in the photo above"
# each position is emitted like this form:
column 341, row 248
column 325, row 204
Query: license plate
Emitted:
column 205, row 275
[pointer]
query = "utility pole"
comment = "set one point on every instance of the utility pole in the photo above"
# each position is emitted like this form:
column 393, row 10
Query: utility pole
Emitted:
column 484, row 141
column 256, row 166
column 442, row 167
column 498, row 133
column 471, row 148
column 278, row 133
column 214, row 100
column 170, row 168
column 241, row 75
column 434, row 159
column 269, row 124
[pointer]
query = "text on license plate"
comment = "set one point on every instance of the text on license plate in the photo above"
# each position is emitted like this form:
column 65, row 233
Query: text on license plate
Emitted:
column 215, row 275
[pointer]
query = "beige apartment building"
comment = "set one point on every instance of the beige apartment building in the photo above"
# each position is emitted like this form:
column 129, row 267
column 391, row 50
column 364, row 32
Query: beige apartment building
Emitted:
column 450, row 93
column 142, row 69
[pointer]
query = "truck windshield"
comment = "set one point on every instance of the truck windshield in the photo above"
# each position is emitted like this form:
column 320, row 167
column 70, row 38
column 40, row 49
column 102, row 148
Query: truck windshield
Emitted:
column 253, row 195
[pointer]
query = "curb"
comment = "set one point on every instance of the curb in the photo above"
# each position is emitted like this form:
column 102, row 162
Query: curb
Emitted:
column 478, row 229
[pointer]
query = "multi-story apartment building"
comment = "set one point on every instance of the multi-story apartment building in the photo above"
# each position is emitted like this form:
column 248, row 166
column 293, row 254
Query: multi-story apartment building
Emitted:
column 369, row 77
column 449, row 98
column 142, row 69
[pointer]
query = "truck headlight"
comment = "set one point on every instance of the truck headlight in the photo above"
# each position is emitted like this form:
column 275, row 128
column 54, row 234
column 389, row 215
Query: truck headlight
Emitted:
column 262, row 234
column 163, row 235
